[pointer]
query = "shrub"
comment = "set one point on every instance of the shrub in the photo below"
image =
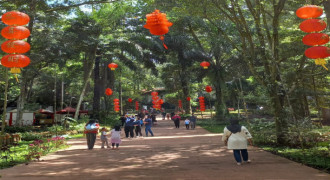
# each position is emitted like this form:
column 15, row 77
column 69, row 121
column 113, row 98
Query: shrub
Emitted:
column 30, row 136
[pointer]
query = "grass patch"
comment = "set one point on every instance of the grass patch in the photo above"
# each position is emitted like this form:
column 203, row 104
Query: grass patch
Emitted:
column 18, row 154
column 317, row 157
column 211, row 125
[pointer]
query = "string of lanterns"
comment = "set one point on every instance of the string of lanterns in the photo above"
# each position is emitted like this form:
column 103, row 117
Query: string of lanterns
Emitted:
column 201, row 103
column 14, row 46
column 116, row 105
column 156, row 101
column 136, row 105
column 312, row 26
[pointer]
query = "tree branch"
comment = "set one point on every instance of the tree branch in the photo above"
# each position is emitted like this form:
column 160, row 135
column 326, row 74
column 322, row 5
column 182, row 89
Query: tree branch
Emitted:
column 80, row 4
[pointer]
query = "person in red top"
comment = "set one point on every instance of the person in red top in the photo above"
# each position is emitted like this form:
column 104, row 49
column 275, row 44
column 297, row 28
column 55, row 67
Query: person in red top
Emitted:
column 91, row 130
column 176, row 118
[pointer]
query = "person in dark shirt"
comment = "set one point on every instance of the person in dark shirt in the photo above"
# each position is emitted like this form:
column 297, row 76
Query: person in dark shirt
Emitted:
column 148, row 125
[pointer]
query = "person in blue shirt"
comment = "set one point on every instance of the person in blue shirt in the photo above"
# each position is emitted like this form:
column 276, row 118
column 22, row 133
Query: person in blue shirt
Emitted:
column 129, row 127
column 148, row 124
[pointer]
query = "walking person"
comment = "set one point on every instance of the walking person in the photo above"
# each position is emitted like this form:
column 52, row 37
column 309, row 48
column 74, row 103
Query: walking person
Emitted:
column 104, row 138
column 148, row 124
column 129, row 127
column 236, row 138
column 176, row 118
column 187, row 122
column 91, row 129
column 193, row 119
column 115, row 137
column 138, row 126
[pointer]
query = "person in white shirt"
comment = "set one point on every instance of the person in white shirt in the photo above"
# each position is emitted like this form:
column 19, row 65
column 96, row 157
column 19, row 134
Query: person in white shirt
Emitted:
column 187, row 122
column 236, row 138
column 104, row 138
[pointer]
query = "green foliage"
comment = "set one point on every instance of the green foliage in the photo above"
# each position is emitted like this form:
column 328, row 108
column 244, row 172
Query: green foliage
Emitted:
column 211, row 125
column 30, row 136
column 25, row 151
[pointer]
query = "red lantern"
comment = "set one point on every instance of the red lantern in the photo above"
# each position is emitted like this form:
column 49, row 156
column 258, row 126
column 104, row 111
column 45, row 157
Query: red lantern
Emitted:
column 116, row 103
column 15, row 46
column 208, row 89
column 188, row 98
column 158, row 24
column 15, row 18
column 312, row 25
column 136, row 105
column 315, row 39
column 129, row 100
column 108, row 91
column 154, row 93
column 205, row 64
column 113, row 66
column 15, row 32
column 155, row 98
column 116, row 100
column 15, row 62
column 309, row 11
column 160, row 101
column 317, row 52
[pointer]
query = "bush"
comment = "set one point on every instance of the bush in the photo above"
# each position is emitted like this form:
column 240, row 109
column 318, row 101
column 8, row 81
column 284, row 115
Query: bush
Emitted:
column 16, row 129
column 30, row 136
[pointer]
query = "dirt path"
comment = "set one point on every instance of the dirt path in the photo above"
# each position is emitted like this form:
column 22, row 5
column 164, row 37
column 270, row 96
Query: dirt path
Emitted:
column 173, row 154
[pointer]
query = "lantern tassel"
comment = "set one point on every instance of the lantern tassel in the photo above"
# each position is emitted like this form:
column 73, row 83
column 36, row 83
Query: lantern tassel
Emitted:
column 321, row 62
column 16, row 78
column 162, row 39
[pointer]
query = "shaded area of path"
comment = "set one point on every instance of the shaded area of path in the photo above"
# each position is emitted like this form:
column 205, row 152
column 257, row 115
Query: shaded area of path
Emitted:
column 172, row 154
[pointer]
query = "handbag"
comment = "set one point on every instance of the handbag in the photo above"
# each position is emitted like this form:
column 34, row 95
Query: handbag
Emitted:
column 226, row 141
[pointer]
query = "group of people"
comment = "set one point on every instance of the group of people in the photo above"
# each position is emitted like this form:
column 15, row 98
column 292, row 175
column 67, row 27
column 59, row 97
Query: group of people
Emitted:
column 235, row 136
column 131, row 123
column 189, row 121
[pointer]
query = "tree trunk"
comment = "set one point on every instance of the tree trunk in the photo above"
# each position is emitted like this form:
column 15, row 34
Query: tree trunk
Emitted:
column 23, row 85
column 220, row 105
column 184, row 82
column 326, row 5
column 280, row 115
column 87, row 76
column 5, row 102
column 97, row 88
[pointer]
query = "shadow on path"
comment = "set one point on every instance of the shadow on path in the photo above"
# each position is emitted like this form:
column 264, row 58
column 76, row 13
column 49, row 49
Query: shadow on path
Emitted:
column 171, row 154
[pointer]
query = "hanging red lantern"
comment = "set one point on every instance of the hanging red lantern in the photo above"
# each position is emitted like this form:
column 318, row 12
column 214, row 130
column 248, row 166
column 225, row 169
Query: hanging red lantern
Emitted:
column 113, row 66
column 160, row 101
column 136, row 105
column 180, row 104
column 15, row 32
column 312, row 25
column 154, row 93
column 188, row 98
column 15, row 46
column 116, row 103
column 205, row 64
column 158, row 24
column 317, row 52
column 129, row 100
column 15, row 62
column 208, row 89
column 116, row 100
column 108, row 91
column 155, row 98
column 309, row 11
column 315, row 39
column 15, row 18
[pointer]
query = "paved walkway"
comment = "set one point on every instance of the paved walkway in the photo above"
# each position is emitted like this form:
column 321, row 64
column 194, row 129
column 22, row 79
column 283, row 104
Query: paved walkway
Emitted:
column 173, row 154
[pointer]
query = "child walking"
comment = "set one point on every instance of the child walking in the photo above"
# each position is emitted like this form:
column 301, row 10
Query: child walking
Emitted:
column 104, row 138
column 187, row 122
column 115, row 137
